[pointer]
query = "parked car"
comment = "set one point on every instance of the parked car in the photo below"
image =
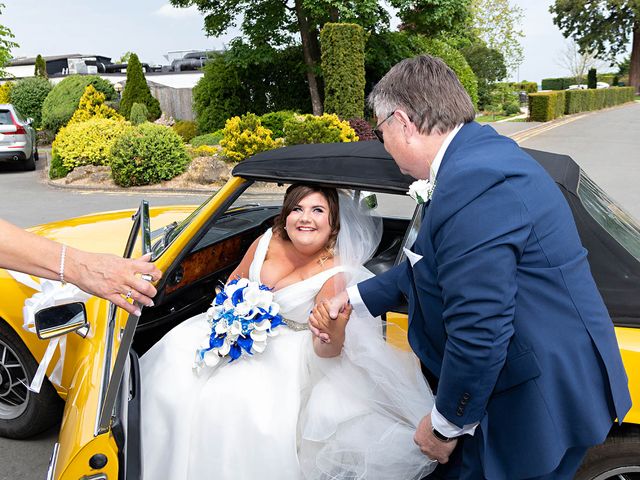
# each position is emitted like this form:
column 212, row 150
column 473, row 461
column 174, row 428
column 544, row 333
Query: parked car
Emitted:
column 198, row 248
column 18, row 141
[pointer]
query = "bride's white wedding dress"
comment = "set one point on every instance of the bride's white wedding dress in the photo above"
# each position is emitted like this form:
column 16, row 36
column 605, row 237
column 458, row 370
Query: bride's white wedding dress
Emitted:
column 285, row 413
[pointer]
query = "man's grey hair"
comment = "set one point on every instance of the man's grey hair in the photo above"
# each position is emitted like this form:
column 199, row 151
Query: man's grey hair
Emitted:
column 427, row 90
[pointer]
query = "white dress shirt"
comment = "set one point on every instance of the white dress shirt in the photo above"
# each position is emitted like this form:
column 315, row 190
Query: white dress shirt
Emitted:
column 440, row 423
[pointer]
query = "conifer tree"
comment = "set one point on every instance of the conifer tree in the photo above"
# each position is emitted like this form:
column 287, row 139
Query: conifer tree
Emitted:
column 136, row 90
column 41, row 67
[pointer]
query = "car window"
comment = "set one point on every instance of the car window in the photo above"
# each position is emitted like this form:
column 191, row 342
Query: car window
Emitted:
column 618, row 223
column 5, row 117
column 19, row 116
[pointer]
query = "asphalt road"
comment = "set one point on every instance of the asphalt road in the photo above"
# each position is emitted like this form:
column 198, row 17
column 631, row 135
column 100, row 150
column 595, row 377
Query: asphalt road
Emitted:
column 604, row 143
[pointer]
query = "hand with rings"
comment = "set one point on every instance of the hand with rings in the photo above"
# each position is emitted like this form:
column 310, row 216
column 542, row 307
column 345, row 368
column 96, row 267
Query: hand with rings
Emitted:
column 119, row 280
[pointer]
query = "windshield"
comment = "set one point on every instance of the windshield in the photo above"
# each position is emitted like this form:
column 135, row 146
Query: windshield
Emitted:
column 618, row 223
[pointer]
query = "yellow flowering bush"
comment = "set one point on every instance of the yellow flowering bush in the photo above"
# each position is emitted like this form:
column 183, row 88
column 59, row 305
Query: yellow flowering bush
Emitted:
column 86, row 143
column 5, row 90
column 245, row 136
column 92, row 106
column 327, row 128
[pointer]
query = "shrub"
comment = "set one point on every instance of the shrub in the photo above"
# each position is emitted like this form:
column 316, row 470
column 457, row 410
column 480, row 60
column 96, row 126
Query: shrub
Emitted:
column 512, row 108
column 204, row 151
column 207, row 139
column 146, row 154
column 92, row 106
column 524, row 86
column 57, row 169
column 362, row 128
column 545, row 106
column 342, row 46
column 86, row 143
column 327, row 128
column 274, row 121
column 245, row 136
column 63, row 99
column 186, row 129
column 136, row 90
column 139, row 113
column 218, row 95
column 586, row 100
column 40, row 67
column 5, row 91
column 28, row 95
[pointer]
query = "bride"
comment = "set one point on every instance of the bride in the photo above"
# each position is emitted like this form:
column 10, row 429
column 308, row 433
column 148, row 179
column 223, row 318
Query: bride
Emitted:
column 302, row 409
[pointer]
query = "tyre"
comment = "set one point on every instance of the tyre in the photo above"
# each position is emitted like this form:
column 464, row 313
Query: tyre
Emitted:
column 30, row 163
column 36, row 155
column 23, row 413
column 618, row 458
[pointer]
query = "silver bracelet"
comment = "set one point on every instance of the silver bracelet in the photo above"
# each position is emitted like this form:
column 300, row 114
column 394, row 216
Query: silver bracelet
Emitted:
column 61, row 271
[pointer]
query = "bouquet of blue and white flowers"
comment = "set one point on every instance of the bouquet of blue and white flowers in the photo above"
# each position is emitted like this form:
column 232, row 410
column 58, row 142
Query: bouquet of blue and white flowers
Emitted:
column 241, row 317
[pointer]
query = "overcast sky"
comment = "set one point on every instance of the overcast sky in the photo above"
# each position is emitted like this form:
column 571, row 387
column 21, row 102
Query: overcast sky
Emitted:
column 151, row 28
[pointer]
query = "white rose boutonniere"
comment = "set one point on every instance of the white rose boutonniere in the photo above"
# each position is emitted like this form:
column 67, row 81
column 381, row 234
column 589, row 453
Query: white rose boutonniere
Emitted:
column 421, row 190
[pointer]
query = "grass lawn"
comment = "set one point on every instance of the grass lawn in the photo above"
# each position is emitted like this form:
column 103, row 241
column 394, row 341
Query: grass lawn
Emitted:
column 495, row 118
column 490, row 118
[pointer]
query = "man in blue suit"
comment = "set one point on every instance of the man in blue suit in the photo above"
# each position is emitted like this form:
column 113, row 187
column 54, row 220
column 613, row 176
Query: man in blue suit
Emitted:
column 504, row 314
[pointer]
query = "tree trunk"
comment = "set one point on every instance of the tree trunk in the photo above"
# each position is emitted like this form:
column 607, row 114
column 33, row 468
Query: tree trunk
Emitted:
column 634, row 64
column 333, row 15
column 309, row 59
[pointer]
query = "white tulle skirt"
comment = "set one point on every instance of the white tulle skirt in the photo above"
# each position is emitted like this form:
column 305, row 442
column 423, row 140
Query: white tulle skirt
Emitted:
column 285, row 414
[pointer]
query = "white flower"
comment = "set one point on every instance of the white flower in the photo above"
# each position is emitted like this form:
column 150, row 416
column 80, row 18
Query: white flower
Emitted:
column 258, row 297
column 421, row 190
column 211, row 358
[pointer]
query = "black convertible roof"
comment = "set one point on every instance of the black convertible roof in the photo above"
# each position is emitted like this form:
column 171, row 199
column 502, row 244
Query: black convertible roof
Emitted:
column 364, row 165
column 368, row 166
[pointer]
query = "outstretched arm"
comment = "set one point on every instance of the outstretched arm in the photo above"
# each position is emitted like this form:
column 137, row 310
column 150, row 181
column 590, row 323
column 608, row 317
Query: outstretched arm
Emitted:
column 103, row 275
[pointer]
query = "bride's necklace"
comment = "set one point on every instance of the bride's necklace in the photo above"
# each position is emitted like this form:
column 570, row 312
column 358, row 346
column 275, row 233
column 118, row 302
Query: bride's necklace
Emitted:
column 328, row 254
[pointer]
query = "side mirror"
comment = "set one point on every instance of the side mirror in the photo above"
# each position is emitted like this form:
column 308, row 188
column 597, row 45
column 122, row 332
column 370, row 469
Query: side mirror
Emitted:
column 29, row 120
column 60, row 320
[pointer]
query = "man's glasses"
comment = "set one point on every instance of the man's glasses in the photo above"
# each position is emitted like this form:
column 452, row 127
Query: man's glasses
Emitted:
column 377, row 130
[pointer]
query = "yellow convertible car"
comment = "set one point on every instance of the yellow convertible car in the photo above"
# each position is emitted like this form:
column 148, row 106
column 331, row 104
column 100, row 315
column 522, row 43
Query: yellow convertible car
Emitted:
column 97, row 393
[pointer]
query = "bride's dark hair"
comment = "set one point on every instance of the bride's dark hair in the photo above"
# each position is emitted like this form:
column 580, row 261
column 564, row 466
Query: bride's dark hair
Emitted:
column 295, row 193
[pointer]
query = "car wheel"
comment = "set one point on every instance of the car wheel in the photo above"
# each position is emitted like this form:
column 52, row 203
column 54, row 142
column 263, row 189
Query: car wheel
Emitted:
column 618, row 458
column 30, row 163
column 22, row 412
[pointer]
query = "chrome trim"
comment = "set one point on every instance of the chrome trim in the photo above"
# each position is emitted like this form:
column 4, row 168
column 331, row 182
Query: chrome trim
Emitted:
column 53, row 461
column 99, row 476
column 112, row 376
column 106, row 370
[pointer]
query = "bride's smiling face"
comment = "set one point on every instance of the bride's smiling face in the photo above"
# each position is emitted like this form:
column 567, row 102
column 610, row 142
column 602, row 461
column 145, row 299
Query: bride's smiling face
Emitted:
column 308, row 223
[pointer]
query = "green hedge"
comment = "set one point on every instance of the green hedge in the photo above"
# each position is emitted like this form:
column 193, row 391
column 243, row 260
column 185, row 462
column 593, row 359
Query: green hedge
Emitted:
column 545, row 106
column 564, row 82
column 529, row 87
column 342, row 46
column 587, row 100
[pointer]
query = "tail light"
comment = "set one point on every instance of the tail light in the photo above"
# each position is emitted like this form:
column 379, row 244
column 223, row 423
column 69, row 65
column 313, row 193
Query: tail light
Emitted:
column 20, row 130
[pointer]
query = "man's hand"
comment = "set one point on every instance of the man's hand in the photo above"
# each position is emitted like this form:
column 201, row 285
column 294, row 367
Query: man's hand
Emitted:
column 429, row 445
column 334, row 306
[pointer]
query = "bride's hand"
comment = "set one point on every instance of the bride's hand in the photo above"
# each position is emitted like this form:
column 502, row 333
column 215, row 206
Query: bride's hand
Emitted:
column 328, row 328
column 335, row 306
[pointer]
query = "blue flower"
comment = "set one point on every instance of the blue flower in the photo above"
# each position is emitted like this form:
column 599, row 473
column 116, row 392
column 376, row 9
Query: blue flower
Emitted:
column 235, row 351
column 246, row 343
column 237, row 297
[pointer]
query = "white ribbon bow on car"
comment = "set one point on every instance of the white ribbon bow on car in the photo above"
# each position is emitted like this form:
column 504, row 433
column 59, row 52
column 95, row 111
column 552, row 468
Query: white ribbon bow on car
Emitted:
column 50, row 293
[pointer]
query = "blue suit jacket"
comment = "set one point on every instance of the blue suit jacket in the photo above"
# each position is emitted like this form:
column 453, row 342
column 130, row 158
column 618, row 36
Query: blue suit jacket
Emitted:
column 503, row 310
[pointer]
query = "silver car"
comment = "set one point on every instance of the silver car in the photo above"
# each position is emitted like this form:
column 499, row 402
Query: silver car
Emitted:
column 18, row 141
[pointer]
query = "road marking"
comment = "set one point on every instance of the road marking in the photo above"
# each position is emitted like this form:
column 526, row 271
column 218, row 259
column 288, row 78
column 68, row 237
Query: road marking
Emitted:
column 532, row 132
